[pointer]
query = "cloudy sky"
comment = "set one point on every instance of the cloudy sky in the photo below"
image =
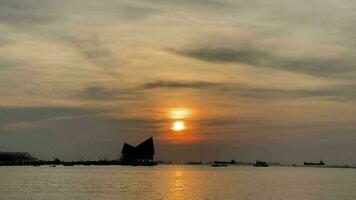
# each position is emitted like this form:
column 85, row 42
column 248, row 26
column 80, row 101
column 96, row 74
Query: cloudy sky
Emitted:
column 272, row 80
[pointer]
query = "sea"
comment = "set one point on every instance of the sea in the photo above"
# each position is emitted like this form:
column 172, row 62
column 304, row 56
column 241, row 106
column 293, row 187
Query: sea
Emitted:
column 174, row 182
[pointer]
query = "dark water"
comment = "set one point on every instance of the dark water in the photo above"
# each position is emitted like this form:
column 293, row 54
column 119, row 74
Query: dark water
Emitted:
column 175, row 182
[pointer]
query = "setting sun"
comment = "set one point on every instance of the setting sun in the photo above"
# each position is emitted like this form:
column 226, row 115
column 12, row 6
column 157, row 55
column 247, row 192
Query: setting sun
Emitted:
column 178, row 126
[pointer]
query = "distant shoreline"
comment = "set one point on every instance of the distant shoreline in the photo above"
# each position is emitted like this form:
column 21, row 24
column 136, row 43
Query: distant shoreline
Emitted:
column 116, row 162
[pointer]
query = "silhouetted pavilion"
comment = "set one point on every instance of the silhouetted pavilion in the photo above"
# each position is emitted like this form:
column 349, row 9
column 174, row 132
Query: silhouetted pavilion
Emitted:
column 139, row 155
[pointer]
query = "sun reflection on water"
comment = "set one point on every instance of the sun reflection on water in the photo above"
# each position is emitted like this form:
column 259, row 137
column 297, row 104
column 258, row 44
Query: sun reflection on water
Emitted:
column 178, row 186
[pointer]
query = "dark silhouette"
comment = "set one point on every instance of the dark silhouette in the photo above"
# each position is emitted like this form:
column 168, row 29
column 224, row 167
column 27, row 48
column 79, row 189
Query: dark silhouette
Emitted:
column 16, row 158
column 218, row 165
column 321, row 163
column 232, row 162
column 139, row 155
column 194, row 163
column 259, row 163
column 56, row 161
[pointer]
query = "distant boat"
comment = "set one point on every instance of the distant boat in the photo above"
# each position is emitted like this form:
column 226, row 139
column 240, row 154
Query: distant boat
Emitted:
column 260, row 164
column 195, row 163
column 53, row 166
column 218, row 165
column 321, row 163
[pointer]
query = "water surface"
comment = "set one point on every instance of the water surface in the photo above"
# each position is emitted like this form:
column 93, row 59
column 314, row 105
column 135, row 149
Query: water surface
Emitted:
column 175, row 182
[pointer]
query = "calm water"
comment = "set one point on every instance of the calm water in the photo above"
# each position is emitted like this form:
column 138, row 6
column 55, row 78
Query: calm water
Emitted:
column 175, row 182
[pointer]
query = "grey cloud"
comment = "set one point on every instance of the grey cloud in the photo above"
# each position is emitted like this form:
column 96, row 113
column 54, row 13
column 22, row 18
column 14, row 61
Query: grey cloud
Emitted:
column 112, row 9
column 8, row 64
column 194, row 4
column 95, row 52
column 7, row 67
column 224, row 122
column 105, row 93
column 225, row 54
column 11, row 115
column 136, row 12
column 5, row 39
column 319, row 66
column 22, row 12
column 180, row 84
column 132, row 94
column 97, row 92
column 102, row 93
column 345, row 92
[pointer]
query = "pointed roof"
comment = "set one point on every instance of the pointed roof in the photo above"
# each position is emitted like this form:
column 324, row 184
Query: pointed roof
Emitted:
column 146, row 147
column 126, row 149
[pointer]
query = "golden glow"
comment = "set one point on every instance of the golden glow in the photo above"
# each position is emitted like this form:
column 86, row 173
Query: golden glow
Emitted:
column 180, row 113
column 178, row 173
column 178, row 126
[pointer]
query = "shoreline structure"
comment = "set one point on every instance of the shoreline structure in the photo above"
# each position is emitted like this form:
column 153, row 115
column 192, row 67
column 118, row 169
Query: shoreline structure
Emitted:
column 141, row 155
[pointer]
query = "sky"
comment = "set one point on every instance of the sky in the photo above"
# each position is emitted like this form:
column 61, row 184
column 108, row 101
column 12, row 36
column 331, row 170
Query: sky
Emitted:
column 271, row 80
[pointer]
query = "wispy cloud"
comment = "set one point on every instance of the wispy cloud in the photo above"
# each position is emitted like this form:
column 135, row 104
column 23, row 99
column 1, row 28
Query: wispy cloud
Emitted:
column 344, row 92
column 255, row 57
column 23, row 13
column 180, row 84
column 109, row 94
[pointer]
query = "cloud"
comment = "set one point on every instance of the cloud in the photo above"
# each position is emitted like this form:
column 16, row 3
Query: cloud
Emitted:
column 97, row 92
column 344, row 92
column 180, row 84
column 8, row 64
column 341, row 92
column 24, row 12
column 255, row 57
column 103, row 93
column 25, row 115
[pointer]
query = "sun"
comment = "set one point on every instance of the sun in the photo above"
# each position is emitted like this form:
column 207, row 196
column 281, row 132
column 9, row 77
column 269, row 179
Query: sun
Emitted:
column 178, row 126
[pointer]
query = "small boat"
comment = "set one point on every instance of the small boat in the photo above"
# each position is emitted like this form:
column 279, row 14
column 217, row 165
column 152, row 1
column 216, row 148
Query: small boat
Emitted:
column 260, row 164
column 218, row 165
column 53, row 166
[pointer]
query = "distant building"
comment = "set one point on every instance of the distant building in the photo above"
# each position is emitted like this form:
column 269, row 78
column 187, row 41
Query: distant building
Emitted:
column 16, row 158
column 139, row 155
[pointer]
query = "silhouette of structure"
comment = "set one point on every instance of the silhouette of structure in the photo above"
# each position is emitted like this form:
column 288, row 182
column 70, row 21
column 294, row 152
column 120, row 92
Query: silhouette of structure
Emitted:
column 321, row 163
column 139, row 155
column 16, row 158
